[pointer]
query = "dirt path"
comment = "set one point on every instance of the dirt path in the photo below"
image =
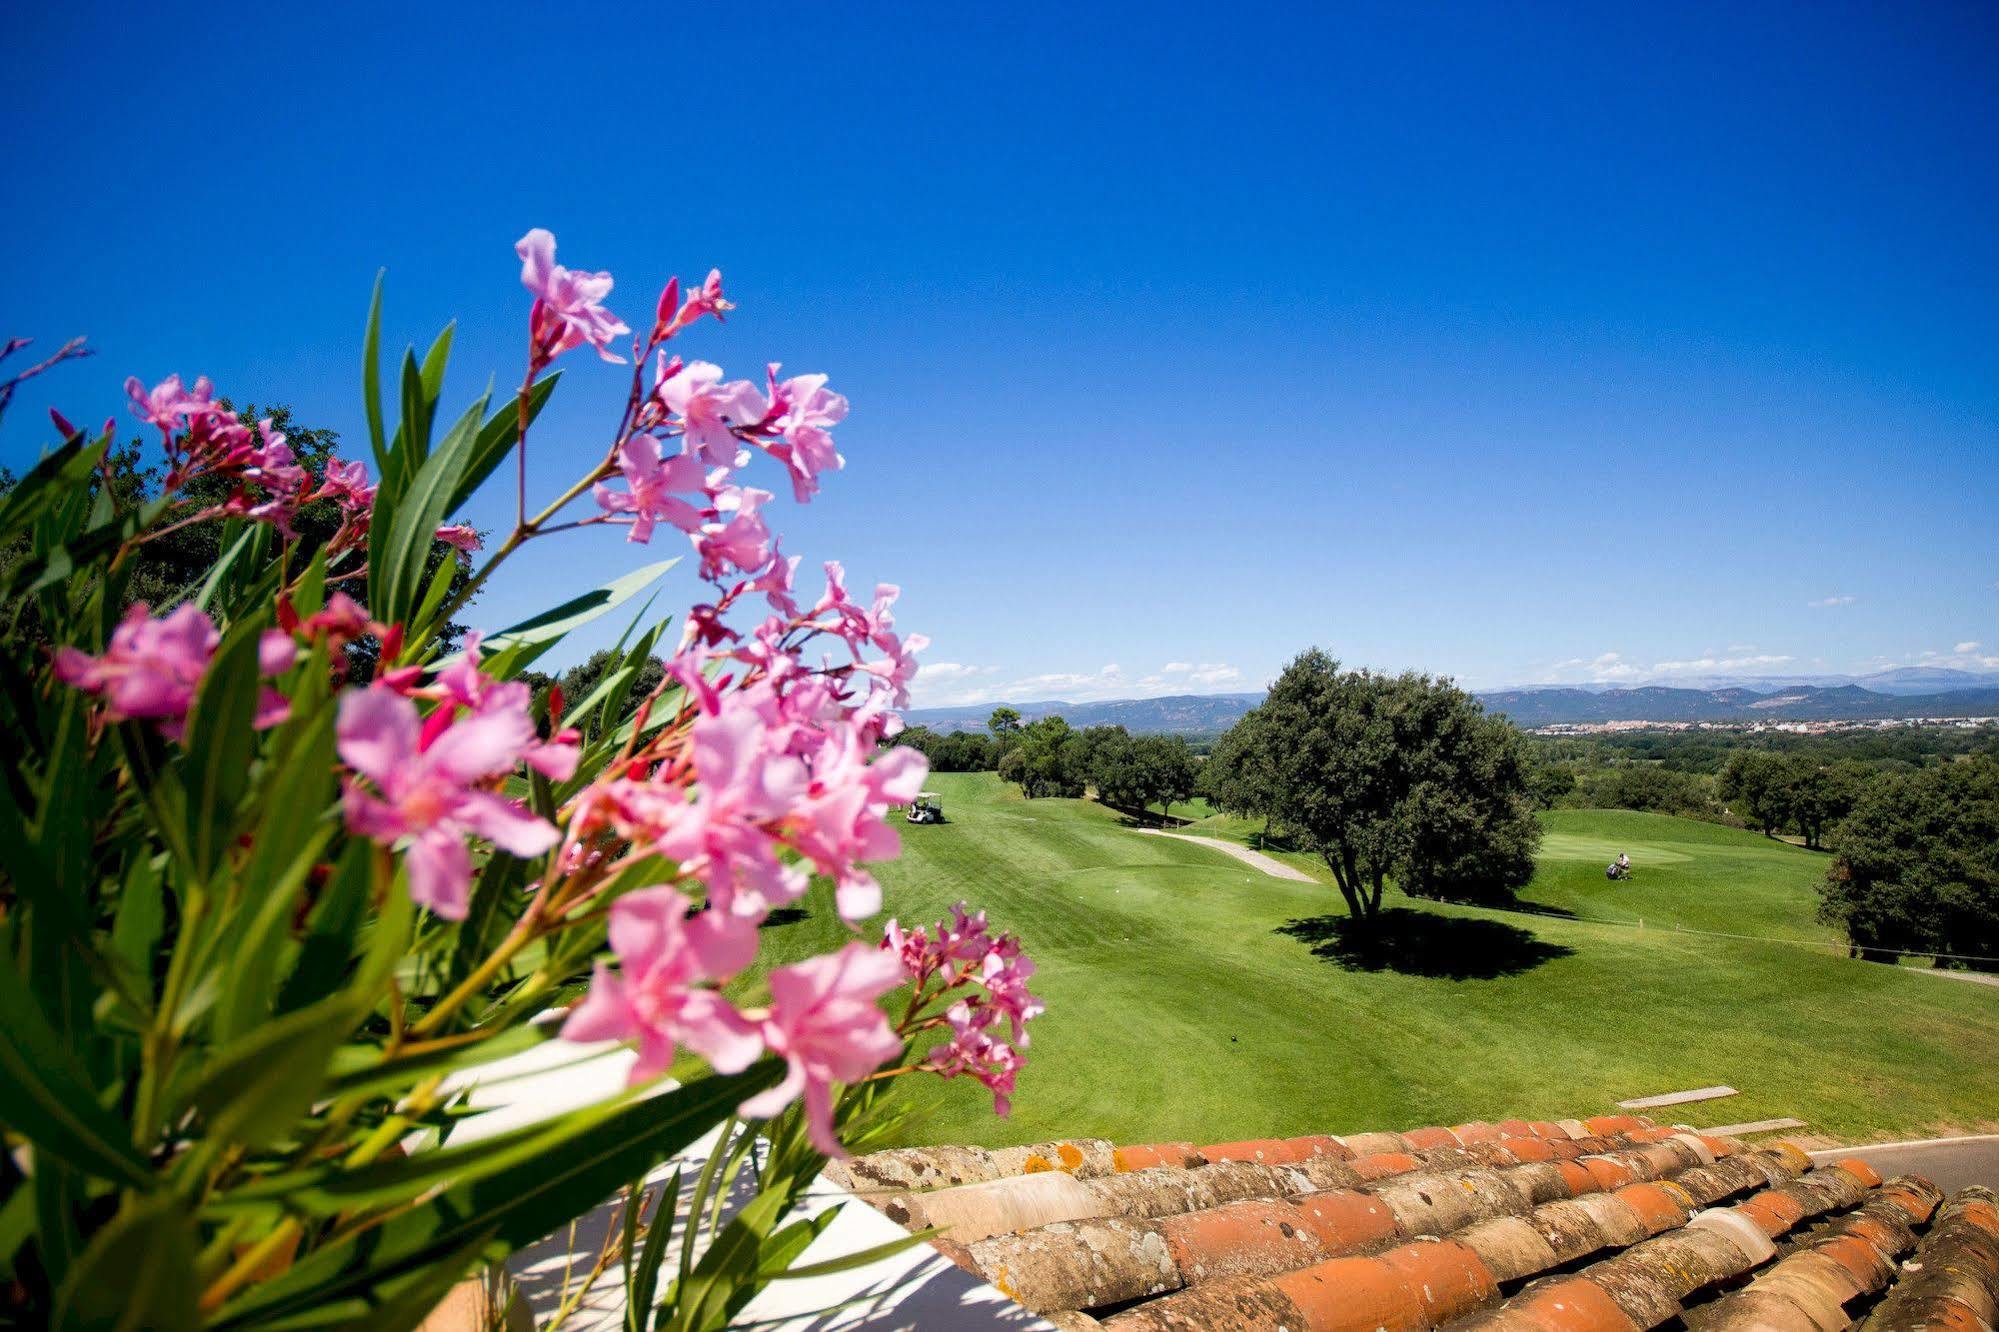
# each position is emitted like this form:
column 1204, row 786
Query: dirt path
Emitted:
column 1276, row 869
column 1975, row 977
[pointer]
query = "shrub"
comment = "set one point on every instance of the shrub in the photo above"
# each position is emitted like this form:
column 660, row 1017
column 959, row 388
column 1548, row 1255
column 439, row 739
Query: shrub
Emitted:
column 256, row 914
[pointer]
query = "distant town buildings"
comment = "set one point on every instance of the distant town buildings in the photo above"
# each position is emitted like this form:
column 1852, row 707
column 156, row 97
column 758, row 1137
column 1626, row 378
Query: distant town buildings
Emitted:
column 1757, row 727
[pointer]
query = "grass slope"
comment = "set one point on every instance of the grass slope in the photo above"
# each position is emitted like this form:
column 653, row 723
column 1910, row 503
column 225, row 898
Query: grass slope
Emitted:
column 1190, row 997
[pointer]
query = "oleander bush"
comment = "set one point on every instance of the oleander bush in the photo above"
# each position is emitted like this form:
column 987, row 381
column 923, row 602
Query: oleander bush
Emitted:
column 286, row 859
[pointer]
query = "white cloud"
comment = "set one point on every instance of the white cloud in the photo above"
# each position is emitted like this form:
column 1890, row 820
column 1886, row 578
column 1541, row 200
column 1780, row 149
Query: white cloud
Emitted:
column 1841, row 600
column 950, row 672
column 950, row 685
column 1616, row 668
column 1966, row 656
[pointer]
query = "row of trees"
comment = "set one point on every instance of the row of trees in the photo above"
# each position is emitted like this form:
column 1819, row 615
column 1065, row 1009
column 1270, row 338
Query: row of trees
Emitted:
column 1776, row 792
column 953, row 751
column 1385, row 777
column 1049, row 757
column 1915, row 865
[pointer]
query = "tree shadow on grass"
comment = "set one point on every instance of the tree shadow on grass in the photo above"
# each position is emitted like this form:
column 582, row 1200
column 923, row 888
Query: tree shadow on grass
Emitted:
column 1416, row 943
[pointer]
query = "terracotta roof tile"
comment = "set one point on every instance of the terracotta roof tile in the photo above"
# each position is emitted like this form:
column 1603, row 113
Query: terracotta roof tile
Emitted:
column 1607, row 1223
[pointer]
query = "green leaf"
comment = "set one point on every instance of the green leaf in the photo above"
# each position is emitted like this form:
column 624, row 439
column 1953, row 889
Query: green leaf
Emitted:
column 62, row 472
column 361, row 1068
column 584, row 1160
column 552, row 624
column 412, row 443
column 219, row 742
column 78, row 549
column 141, row 919
column 46, row 1097
column 330, row 931
column 138, row 1275
column 642, row 1282
column 726, row 1277
column 258, row 951
column 254, row 1089
column 371, row 378
column 395, row 575
column 847, row 1262
column 434, row 362
column 237, row 549
column 497, row 439
column 494, row 907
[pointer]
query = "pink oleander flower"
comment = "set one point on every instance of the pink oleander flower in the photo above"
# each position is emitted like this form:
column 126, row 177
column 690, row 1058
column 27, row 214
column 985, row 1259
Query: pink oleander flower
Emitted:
column 737, row 537
column 742, row 785
column 708, row 408
column 673, row 314
column 984, row 977
column 347, row 483
column 839, row 822
column 568, row 305
column 804, row 411
column 973, row 1051
column 899, row 665
column 168, row 405
column 430, row 777
column 651, row 486
column 775, row 583
column 153, row 667
column 657, row 997
column 825, row 1025
column 463, row 685
column 459, row 536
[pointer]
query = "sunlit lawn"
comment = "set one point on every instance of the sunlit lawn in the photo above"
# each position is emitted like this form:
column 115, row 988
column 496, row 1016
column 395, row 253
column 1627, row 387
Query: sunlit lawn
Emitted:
column 1191, row 997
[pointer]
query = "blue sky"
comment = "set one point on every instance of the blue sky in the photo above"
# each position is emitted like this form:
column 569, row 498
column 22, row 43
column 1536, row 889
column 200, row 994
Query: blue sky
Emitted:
column 1497, row 341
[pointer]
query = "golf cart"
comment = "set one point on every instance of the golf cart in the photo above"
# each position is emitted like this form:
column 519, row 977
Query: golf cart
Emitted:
column 928, row 807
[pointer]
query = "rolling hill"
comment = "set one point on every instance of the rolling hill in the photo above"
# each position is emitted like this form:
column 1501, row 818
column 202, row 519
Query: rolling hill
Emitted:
column 1541, row 705
column 1191, row 996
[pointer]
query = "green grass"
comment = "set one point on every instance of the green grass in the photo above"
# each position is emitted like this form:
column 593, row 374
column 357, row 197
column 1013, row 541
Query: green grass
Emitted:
column 1191, row 997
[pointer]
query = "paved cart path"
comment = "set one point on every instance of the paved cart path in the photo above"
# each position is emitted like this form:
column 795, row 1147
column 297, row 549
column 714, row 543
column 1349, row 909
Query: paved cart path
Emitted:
column 1276, row 869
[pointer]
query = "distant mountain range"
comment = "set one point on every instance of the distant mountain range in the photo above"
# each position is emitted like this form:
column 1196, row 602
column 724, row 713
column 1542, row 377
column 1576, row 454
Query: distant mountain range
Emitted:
column 1547, row 707
column 1910, row 691
column 1176, row 714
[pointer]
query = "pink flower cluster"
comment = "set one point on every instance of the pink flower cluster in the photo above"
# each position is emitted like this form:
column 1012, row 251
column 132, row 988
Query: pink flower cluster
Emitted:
column 981, row 979
column 710, row 427
column 204, row 438
column 686, row 436
column 434, row 776
column 153, row 667
column 822, row 1021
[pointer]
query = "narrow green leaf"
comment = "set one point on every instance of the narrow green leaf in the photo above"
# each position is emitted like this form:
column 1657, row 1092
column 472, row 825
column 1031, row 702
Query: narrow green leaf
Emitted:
column 361, row 1068
column 413, row 433
column 591, row 1155
column 643, row 1283
column 46, row 1097
column 497, row 438
column 254, row 1090
column 331, row 931
column 434, row 362
column 235, row 552
column 138, row 1275
column 848, row 1262
column 62, row 472
column 257, row 953
column 551, row 625
column 219, row 744
column 371, row 378
column 395, row 576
